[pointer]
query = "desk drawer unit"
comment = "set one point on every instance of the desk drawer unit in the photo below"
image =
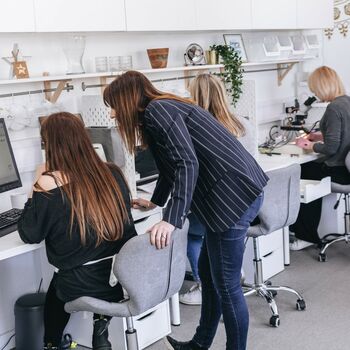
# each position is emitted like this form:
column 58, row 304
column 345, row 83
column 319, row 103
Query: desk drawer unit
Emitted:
column 271, row 251
column 311, row 190
column 151, row 326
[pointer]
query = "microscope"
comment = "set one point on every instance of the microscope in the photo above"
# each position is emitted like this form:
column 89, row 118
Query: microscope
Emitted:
column 296, row 116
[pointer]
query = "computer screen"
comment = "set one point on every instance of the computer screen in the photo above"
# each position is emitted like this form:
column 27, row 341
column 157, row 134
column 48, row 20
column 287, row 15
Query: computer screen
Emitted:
column 145, row 165
column 9, row 176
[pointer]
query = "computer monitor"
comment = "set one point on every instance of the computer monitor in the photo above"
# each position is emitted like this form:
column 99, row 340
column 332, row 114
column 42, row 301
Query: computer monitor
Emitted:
column 145, row 166
column 9, row 176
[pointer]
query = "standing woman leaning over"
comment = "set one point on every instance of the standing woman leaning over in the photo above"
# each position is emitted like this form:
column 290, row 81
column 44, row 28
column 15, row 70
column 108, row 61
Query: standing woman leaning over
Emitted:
column 209, row 92
column 204, row 168
column 81, row 207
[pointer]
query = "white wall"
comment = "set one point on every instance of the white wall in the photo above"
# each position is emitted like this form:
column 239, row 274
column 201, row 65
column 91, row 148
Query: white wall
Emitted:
column 47, row 55
column 337, row 55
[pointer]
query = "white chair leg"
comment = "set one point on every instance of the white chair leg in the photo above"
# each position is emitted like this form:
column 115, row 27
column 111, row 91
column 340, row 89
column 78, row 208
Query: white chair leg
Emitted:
column 131, row 335
column 175, row 310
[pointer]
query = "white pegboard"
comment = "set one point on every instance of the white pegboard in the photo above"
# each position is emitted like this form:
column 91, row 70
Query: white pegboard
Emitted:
column 246, row 108
column 95, row 113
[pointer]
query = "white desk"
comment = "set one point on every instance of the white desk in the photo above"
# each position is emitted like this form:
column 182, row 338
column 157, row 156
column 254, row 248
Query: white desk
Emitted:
column 274, row 162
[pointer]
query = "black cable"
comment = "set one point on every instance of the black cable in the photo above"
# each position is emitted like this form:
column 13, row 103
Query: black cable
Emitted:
column 41, row 282
column 8, row 342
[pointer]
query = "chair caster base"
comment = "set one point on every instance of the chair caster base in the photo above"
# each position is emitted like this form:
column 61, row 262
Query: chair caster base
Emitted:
column 275, row 321
column 322, row 257
column 301, row 305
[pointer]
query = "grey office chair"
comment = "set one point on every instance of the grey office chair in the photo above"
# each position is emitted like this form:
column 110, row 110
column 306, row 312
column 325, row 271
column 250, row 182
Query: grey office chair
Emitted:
column 149, row 276
column 279, row 210
column 344, row 191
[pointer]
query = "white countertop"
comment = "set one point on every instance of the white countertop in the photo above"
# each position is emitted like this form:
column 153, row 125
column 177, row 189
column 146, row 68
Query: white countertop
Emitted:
column 12, row 245
column 273, row 162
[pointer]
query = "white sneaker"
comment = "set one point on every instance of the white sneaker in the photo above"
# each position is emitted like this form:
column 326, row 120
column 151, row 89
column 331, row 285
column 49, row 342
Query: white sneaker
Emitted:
column 193, row 296
column 299, row 244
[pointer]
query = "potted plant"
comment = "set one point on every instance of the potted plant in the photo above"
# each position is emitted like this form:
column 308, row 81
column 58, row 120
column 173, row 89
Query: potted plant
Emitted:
column 233, row 73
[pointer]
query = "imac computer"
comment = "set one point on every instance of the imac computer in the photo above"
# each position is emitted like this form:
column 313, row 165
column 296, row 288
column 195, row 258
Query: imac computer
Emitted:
column 9, row 179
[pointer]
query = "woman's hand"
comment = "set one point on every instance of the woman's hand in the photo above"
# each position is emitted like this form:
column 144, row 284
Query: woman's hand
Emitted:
column 160, row 234
column 304, row 143
column 315, row 137
column 143, row 204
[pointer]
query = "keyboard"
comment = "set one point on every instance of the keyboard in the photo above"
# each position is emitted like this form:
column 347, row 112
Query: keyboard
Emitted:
column 8, row 221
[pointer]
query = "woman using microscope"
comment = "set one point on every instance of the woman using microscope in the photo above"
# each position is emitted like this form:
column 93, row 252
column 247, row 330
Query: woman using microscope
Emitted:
column 81, row 207
column 202, row 166
column 333, row 141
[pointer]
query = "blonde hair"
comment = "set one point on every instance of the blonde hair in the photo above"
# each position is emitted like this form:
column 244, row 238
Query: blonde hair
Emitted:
column 209, row 92
column 326, row 84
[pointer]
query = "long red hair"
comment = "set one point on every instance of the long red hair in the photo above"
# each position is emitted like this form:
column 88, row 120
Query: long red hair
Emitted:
column 128, row 96
column 93, row 193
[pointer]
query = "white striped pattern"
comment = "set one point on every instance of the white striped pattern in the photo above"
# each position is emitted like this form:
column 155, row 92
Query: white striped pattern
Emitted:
column 201, row 166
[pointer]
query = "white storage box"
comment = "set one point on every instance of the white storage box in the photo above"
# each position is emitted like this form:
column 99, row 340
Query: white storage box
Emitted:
column 286, row 46
column 311, row 190
column 299, row 47
column 262, row 48
column 312, row 45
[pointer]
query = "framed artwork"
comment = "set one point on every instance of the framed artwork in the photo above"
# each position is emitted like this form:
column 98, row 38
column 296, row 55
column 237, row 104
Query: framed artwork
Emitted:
column 236, row 42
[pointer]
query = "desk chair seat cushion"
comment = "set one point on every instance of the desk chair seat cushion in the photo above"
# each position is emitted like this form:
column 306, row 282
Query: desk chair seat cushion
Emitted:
column 150, row 276
column 281, row 201
column 338, row 188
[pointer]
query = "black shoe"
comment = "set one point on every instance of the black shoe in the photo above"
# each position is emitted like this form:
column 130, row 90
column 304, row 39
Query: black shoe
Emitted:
column 49, row 346
column 100, row 336
column 173, row 344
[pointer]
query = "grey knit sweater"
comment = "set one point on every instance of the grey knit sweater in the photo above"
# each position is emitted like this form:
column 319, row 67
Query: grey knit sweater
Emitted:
column 335, row 128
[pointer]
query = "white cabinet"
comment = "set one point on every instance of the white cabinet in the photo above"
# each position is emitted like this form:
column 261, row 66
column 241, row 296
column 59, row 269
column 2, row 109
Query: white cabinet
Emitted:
column 17, row 16
column 160, row 15
column 274, row 14
column 79, row 15
column 223, row 14
column 314, row 14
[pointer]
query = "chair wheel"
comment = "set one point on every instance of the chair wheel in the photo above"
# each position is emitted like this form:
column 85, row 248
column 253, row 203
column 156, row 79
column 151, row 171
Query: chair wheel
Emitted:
column 322, row 257
column 301, row 305
column 275, row 321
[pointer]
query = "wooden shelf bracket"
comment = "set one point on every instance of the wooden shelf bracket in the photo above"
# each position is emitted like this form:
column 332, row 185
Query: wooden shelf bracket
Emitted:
column 282, row 71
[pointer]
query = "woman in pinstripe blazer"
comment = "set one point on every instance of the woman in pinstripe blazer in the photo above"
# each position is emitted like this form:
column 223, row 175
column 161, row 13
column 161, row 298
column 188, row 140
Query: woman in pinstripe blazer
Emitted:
column 204, row 168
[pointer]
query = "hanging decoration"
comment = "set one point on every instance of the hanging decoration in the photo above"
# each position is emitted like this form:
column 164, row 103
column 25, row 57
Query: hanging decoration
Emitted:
column 341, row 18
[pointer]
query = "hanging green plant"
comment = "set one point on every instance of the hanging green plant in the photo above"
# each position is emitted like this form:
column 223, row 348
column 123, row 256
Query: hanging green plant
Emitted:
column 233, row 73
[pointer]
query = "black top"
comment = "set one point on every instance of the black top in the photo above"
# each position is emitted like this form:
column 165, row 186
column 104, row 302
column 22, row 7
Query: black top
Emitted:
column 201, row 164
column 335, row 128
column 47, row 216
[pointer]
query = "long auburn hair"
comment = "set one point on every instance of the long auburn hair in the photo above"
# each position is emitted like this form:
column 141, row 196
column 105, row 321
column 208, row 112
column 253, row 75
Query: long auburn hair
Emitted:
column 209, row 92
column 128, row 96
column 94, row 195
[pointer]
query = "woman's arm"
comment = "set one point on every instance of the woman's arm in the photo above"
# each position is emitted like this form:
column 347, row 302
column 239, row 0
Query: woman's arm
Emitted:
column 332, row 131
column 169, row 122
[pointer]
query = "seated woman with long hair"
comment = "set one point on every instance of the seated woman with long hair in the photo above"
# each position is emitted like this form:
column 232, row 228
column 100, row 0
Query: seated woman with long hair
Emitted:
column 80, row 206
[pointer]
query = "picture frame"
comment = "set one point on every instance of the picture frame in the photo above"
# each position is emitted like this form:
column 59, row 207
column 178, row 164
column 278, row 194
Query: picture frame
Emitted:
column 236, row 42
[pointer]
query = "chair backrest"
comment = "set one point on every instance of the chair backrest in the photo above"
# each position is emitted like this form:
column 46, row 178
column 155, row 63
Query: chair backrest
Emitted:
column 347, row 161
column 149, row 275
column 281, row 201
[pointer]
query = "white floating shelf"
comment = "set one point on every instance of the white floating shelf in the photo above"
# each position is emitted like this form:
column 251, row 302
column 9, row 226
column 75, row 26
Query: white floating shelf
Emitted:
column 144, row 71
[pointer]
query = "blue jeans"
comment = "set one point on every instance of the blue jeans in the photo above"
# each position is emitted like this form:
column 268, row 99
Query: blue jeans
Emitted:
column 220, row 265
column 196, row 234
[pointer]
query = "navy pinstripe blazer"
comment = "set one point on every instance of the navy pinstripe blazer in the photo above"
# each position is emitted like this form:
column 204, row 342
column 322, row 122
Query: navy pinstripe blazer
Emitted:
column 201, row 165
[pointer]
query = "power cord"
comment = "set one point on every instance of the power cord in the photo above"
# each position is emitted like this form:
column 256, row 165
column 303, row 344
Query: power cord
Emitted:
column 8, row 342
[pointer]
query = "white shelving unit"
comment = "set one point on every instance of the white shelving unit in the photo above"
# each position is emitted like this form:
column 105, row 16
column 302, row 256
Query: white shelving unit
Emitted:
column 55, row 78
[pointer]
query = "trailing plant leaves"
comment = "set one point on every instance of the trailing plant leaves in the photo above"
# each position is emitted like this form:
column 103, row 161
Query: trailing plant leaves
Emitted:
column 233, row 73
